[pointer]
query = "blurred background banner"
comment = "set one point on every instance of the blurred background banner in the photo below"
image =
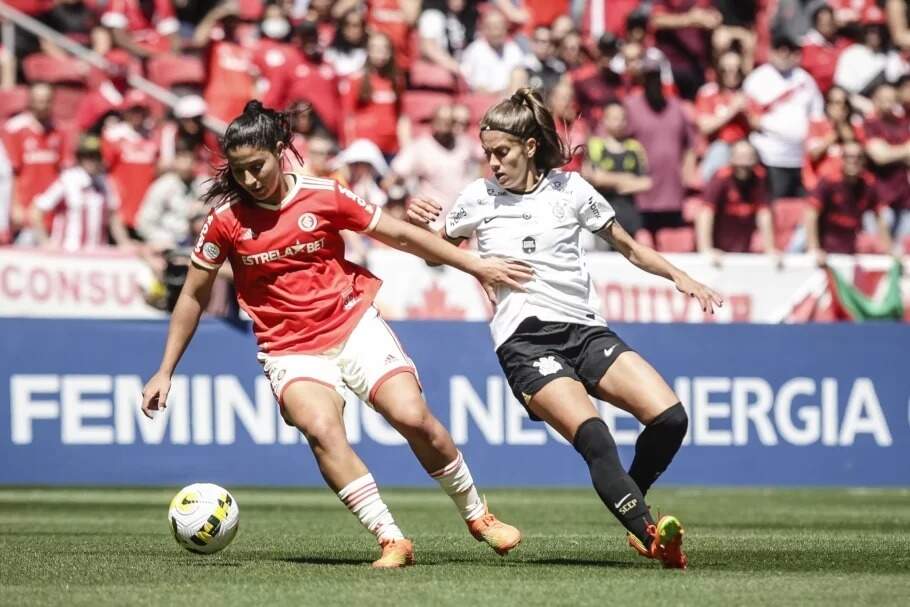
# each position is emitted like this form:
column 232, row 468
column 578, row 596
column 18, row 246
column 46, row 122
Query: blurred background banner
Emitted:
column 791, row 405
column 113, row 285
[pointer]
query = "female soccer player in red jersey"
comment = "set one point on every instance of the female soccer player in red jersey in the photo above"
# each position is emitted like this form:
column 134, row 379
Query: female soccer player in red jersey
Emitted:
column 552, row 342
column 317, row 330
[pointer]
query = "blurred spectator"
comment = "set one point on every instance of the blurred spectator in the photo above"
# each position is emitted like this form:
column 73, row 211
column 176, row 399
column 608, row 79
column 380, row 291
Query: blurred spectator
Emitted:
column 348, row 52
column 570, row 51
column 793, row 18
column 863, row 65
column 306, row 125
column 35, row 149
column 683, row 31
column 397, row 20
column 104, row 99
column 834, row 217
column 898, row 12
column 461, row 120
column 313, row 81
column 888, row 146
column 82, row 204
column 541, row 69
column 597, row 85
column 318, row 162
column 187, row 130
column 783, row 100
column 542, row 13
column 438, row 165
column 488, row 63
column 163, row 221
column 720, row 113
column 275, row 54
column 903, row 93
column 446, row 27
column 737, row 30
column 362, row 166
column 849, row 12
column 616, row 165
column 371, row 99
column 130, row 151
column 735, row 203
column 608, row 16
column 515, row 11
column 78, row 22
column 143, row 28
column 570, row 128
column 6, row 197
column 628, row 64
column 230, row 68
column 827, row 137
column 667, row 134
column 822, row 47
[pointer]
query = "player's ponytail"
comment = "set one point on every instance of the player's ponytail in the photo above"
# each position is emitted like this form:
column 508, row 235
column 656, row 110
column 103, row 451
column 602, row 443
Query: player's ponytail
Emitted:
column 260, row 128
column 524, row 115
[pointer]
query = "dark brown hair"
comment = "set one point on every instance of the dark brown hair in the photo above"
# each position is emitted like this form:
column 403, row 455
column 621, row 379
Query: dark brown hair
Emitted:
column 389, row 72
column 524, row 115
column 257, row 127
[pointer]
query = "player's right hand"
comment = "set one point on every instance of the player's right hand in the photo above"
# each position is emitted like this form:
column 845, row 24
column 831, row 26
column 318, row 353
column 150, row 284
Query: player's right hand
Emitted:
column 154, row 394
column 423, row 211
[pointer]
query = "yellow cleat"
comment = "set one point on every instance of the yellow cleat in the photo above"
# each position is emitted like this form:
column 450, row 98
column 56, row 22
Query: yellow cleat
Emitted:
column 500, row 536
column 395, row 554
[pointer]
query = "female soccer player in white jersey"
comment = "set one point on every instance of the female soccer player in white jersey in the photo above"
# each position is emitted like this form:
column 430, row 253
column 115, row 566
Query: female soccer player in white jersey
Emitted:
column 315, row 324
column 552, row 342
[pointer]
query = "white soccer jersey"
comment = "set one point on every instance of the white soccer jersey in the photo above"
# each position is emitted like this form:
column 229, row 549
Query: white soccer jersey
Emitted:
column 541, row 228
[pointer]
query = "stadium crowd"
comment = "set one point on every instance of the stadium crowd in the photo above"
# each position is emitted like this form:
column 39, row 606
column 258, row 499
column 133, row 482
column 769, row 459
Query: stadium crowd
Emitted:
column 711, row 125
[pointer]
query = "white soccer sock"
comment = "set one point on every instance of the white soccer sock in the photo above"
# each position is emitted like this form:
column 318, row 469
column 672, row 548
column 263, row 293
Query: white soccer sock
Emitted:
column 362, row 498
column 455, row 479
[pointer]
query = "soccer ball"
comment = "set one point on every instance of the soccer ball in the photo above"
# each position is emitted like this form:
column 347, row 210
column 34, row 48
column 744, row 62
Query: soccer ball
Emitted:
column 204, row 518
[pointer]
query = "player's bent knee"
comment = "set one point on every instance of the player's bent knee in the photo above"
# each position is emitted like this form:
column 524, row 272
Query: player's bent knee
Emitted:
column 323, row 431
column 674, row 419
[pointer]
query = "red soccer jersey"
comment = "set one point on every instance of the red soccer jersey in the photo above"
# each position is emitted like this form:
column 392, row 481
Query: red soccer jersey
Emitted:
column 376, row 118
column 132, row 160
column 840, row 205
column 386, row 16
column 289, row 267
column 149, row 24
column 831, row 163
column 231, row 80
column 319, row 86
column 710, row 100
column 35, row 154
column 735, row 206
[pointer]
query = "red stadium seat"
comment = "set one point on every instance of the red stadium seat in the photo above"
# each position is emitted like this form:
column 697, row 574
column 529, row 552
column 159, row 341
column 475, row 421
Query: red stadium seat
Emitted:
column 676, row 240
column 170, row 70
column 788, row 216
column 426, row 75
column 690, row 208
column 420, row 105
column 45, row 68
column 906, row 244
column 869, row 244
column 644, row 237
column 13, row 101
column 478, row 104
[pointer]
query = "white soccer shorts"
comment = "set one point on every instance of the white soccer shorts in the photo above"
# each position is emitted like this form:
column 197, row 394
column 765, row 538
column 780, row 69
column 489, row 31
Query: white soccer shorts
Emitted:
column 362, row 363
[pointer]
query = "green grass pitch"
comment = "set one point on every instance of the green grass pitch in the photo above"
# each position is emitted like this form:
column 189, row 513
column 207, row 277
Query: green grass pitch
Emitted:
column 301, row 547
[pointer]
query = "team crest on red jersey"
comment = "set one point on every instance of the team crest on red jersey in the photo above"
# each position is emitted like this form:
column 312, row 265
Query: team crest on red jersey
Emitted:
column 307, row 222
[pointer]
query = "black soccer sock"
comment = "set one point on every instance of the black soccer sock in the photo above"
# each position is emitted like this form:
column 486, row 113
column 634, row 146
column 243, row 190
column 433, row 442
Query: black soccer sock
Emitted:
column 615, row 487
column 657, row 444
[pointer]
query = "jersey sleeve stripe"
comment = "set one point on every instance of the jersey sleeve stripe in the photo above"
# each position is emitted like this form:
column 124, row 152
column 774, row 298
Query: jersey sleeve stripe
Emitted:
column 224, row 207
column 203, row 264
column 376, row 214
column 606, row 224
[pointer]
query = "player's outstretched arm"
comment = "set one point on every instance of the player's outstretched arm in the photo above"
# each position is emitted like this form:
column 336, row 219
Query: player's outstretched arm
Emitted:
column 193, row 298
column 653, row 262
column 491, row 272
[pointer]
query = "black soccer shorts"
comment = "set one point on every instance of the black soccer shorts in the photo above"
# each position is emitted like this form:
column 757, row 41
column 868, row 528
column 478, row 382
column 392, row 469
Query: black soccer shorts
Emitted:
column 539, row 352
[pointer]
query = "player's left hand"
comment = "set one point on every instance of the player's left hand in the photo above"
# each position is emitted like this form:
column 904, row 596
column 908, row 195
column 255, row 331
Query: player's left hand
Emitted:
column 707, row 298
column 494, row 271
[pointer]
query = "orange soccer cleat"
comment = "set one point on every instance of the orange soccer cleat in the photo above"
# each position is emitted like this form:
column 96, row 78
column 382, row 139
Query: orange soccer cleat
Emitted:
column 666, row 543
column 395, row 554
column 500, row 536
